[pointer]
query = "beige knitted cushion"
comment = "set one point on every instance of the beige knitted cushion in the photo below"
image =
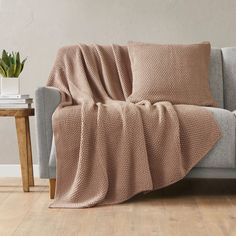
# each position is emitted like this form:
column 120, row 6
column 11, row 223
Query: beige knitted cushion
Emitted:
column 175, row 73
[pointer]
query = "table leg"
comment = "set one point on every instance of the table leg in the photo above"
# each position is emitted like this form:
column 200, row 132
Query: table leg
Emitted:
column 29, row 154
column 21, row 129
column 52, row 188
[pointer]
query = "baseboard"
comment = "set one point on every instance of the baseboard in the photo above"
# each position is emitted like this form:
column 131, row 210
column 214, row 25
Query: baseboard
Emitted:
column 14, row 170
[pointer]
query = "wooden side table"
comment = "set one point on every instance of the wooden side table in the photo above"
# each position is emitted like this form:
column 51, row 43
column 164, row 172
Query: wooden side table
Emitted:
column 24, row 143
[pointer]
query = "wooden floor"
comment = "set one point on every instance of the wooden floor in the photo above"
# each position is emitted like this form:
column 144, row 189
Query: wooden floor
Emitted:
column 188, row 208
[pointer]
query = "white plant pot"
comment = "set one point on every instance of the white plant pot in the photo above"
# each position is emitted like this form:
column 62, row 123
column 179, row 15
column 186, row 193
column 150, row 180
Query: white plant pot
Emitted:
column 10, row 86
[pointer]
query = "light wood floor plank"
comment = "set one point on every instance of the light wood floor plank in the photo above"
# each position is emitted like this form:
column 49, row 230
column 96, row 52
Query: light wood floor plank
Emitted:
column 190, row 207
column 216, row 208
column 14, row 209
column 181, row 217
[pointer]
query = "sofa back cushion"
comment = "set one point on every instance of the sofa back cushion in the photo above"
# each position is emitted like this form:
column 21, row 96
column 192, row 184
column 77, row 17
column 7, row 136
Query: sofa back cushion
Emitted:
column 216, row 76
column 229, row 74
column 175, row 73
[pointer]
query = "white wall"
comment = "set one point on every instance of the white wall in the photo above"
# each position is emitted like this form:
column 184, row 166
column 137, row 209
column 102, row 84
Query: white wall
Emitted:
column 37, row 28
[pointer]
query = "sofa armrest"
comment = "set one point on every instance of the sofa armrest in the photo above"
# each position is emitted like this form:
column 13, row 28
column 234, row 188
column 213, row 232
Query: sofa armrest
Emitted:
column 46, row 101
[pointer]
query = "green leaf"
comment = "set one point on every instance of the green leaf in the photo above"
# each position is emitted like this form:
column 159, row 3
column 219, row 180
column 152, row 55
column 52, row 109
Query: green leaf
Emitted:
column 18, row 70
column 23, row 63
column 18, row 57
column 2, row 71
column 5, row 58
column 14, row 63
column 4, row 65
column 12, row 58
column 10, row 71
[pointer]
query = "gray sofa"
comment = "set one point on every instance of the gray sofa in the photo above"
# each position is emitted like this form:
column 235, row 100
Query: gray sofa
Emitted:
column 219, row 162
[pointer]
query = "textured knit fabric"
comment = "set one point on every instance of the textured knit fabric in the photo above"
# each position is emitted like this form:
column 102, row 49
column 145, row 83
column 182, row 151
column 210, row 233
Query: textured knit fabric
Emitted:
column 225, row 147
column 175, row 73
column 109, row 149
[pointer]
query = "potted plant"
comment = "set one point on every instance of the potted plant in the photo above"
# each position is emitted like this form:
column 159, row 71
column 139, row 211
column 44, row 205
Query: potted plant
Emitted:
column 10, row 69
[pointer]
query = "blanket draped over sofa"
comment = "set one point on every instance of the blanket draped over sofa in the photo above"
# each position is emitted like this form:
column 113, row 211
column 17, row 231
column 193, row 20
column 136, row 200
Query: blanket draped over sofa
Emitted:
column 109, row 149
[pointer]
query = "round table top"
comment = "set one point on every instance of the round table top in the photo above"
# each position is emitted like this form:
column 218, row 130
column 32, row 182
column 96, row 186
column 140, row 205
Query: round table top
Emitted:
column 17, row 112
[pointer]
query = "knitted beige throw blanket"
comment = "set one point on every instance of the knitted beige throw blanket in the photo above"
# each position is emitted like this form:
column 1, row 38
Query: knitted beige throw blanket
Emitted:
column 109, row 149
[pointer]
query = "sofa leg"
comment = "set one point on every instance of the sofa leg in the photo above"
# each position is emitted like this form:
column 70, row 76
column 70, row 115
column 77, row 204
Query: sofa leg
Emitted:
column 52, row 187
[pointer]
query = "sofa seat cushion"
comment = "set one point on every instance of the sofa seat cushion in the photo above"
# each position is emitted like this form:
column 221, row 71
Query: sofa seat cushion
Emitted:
column 223, row 153
column 221, row 156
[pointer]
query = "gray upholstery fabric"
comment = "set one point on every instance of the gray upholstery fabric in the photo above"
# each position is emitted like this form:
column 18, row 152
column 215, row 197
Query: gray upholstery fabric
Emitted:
column 212, row 173
column 216, row 76
column 229, row 74
column 223, row 154
column 222, row 157
column 46, row 101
